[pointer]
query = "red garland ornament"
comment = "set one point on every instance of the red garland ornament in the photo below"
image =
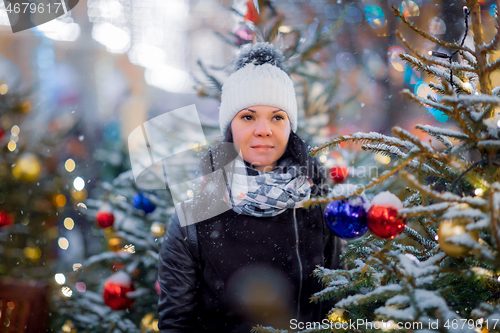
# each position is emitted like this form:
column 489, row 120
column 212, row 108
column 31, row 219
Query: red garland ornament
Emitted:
column 1, row 133
column 338, row 173
column 382, row 220
column 104, row 217
column 5, row 219
column 252, row 14
column 115, row 291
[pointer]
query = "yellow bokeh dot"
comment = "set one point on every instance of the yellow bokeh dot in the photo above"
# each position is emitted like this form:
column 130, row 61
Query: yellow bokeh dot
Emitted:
column 60, row 200
column 11, row 145
column 63, row 243
column 69, row 165
column 69, row 223
column 3, row 89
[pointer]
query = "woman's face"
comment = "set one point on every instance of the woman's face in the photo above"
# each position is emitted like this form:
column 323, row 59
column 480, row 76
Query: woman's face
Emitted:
column 261, row 133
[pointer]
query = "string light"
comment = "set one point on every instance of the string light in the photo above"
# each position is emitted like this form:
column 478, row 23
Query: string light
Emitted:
column 478, row 191
column 76, row 266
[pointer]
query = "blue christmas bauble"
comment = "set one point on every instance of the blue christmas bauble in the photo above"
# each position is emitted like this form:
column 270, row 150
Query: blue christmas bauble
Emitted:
column 141, row 202
column 347, row 219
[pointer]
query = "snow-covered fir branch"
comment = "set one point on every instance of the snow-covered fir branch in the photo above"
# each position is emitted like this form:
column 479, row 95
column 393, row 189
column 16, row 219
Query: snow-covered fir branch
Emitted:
column 425, row 210
column 432, row 130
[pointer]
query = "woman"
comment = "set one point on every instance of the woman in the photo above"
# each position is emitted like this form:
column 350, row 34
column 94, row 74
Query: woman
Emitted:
column 251, row 264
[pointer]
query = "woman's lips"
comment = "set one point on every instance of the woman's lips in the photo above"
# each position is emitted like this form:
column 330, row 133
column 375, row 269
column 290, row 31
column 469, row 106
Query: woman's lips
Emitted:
column 262, row 147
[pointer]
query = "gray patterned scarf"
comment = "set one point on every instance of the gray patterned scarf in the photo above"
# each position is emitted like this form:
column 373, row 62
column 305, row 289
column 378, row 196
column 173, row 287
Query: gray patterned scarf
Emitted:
column 266, row 194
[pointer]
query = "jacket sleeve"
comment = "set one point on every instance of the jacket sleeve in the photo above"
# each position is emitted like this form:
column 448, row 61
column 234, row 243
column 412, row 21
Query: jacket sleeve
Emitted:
column 177, row 277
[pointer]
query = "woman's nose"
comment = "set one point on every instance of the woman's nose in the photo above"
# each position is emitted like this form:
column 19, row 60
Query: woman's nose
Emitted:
column 263, row 128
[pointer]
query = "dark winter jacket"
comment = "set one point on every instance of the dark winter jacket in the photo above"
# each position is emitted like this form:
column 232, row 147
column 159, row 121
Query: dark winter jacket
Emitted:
column 232, row 272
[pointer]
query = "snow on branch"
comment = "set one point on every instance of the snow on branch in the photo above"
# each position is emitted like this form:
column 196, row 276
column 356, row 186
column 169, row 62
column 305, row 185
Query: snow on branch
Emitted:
column 424, row 210
column 372, row 137
column 106, row 256
column 408, row 314
column 445, row 196
column 383, row 148
column 432, row 130
column 427, row 299
column 489, row 144
column 455, row 212
column 405, row 135
column 471, row 99
column 413, row 267
column 425, row 101
column 387, row 290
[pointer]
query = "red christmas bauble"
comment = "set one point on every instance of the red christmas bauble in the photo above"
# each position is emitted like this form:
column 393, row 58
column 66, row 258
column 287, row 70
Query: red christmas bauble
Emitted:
column 104, row 219
column 5, row 219
column 251, row 14
column 115, row 291
column 383, row 223
column 1, row 133
column 339, row 173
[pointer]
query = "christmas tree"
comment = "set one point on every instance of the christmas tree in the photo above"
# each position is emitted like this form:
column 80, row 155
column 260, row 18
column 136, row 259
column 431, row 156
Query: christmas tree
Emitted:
column 34, row 194
column 32, row 188
column 444, row 275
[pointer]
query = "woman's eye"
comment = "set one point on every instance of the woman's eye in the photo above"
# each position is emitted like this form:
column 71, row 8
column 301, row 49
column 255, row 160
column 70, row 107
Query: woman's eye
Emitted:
column 279, row 117
column 246, row 117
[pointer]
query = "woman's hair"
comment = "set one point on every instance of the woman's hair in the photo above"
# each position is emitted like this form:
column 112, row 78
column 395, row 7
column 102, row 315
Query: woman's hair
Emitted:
column 297, row 149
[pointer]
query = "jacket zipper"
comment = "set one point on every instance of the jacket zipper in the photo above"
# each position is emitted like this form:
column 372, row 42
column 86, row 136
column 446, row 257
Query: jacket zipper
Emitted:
column 298, row 258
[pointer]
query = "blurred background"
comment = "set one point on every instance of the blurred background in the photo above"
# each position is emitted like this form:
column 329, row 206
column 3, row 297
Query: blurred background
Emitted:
column 74, row 88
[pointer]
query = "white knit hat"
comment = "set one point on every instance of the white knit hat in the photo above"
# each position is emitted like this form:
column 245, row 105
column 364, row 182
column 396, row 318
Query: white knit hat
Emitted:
column 259, row 79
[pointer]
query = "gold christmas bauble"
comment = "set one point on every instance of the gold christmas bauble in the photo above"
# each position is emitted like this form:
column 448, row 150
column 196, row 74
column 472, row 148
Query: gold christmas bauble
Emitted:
column 68, row 327
column 149, row 324
column 449, row 228
column 157, row 229
column 337, row 316
column 27, row 168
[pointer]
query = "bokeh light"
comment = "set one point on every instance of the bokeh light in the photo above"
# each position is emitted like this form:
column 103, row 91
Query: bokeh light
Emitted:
column 70, row 165
column 69, row 223
column 412, row 76
column 375, row 16
column 345, row 61
column 437, row 26
column 372, row 61
column 60, row 278
column 409, row 8
column 78, row 183
column 393, row 54
column 353, row 15
column 81, row 287
column 493, row 11
column 63, row 243
column 422, row 89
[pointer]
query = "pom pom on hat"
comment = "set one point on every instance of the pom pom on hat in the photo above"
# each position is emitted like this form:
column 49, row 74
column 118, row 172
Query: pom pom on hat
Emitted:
column 259, row 79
